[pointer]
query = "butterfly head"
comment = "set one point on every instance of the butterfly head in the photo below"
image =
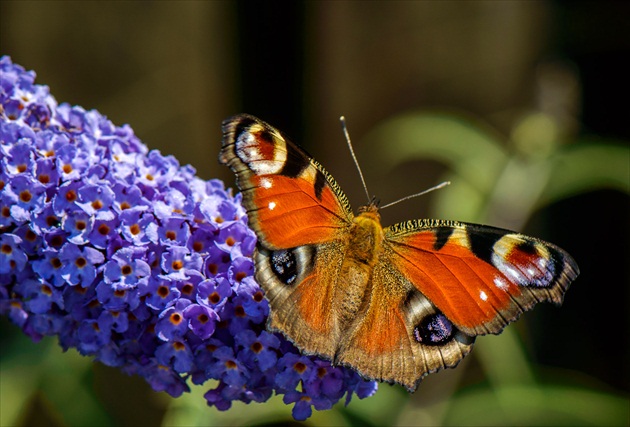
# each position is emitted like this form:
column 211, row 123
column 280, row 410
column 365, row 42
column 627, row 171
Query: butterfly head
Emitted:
column 371, row 209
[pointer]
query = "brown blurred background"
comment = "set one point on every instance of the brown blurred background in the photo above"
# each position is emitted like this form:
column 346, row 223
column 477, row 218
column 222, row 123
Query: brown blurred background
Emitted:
column 175, row 70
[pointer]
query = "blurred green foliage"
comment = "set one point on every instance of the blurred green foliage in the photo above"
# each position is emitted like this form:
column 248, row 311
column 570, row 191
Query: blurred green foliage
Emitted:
column 492, row 180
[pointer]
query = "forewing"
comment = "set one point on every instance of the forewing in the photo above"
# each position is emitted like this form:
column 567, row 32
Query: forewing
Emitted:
column 290, row 199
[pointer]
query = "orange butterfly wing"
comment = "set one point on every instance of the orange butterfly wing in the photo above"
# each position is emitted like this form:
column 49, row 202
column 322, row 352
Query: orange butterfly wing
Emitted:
column 480, row 277
column 293, row 205
column 290, row 199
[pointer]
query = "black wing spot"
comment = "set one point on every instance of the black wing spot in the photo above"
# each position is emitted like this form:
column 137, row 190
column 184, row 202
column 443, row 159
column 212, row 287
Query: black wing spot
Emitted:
column 527, row 246
column 296, row 162
column 482, row 244
column 284, row 266
column 434, row 330
column 320, row 183
column 266, row 136
column 441, row 237
column 244, row 124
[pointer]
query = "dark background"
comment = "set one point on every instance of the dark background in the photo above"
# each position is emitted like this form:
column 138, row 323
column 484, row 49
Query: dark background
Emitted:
column 175, row 70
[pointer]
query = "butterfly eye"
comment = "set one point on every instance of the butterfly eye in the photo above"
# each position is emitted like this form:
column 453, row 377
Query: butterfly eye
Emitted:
column 284, row 266
column 434, row 329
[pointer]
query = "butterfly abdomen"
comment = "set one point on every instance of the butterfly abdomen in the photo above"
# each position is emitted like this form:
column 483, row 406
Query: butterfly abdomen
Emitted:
column 362, row 250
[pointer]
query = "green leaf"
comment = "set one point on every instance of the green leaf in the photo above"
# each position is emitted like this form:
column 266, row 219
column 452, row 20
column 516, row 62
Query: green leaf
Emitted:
column 467, row 148
column 588, row 166
column 537, row 405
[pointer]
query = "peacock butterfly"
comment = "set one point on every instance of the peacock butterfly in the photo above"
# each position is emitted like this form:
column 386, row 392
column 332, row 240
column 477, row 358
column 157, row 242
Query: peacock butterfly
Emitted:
column 394, row 303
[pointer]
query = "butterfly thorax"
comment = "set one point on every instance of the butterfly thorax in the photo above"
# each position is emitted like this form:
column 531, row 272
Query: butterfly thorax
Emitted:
column 366, row 236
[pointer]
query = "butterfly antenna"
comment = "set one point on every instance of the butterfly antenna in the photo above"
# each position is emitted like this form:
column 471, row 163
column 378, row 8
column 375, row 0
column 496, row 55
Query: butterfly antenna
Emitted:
column 437, row 187
column 342, row 119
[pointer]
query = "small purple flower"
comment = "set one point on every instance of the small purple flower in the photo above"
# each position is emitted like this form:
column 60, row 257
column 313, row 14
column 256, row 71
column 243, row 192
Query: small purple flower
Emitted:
column 26, row 197
column 228, row 368
column 127, row 269
column 66, row 197
column 92, row 337
column 12, row 257
column 15, row 310
column 189, row 287
column 49, row 266
column 137, row 227
column 71, row 162
column 173, row 324
column 175, row 204
column 156, row 171
column 79, row 264
column 116, row 321
column 81, row 303
column 31, row 241
column 215, row 397
column 47, row 221
column 127, row 196
column 116, row 299
column 216, row 263
column 216, row 209
column 293, row 368
column 46, row 173
column 178, row 260
column 175, row 354
column 162, row 378
column 103, row 232
column 240, row 269
column 214, row 292
column 39, row 296
column 97, row 200
column 325, row 381
column 201, row 320
column 18, row 158
column 174, row 231
column 230, row 235
column 78, row 225
column 304, row 403
column 159, row 292
column 202, row 240
column 260, row 350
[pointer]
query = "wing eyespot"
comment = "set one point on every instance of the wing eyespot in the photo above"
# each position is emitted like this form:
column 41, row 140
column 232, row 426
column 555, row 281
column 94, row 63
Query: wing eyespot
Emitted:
column 434, row 330
column 290, row 266
column 525, row 262
column 284, row 266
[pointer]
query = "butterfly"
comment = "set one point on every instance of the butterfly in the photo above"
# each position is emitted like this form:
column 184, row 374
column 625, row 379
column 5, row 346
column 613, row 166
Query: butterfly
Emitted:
column 394, row 303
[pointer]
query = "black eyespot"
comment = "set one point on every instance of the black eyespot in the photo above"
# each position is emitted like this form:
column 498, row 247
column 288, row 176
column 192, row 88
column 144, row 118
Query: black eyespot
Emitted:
column 435, row 329
column 284, row 266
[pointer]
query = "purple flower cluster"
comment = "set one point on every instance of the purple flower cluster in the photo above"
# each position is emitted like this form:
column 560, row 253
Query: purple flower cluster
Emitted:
column 130, row 258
